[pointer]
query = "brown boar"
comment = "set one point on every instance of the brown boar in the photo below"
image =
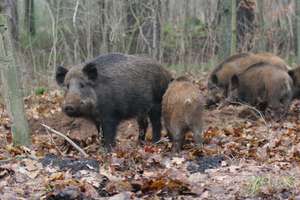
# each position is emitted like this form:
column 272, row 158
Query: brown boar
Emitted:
column 182, row 108
column 265, row 86
column 219, row 79
column 272, row 59
column 295, row 75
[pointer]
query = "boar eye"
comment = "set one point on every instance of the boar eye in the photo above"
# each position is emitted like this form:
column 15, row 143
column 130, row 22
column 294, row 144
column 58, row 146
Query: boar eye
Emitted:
column 81, row 85
column 283, row 99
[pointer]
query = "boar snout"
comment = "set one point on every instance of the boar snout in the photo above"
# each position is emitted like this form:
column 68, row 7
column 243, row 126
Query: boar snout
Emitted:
column 72, row 104
column 276, row 114
column 69, row 109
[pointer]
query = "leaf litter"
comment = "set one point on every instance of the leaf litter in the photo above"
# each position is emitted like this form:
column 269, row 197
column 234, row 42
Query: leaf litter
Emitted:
column 241, row 158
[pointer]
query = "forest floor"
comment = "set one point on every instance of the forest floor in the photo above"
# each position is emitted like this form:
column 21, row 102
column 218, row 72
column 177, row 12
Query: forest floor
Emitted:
column 244, row 157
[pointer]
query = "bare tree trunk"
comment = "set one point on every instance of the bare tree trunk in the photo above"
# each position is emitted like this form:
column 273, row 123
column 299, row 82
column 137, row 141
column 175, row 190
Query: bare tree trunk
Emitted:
column 29, row 17
column 12, row 11
column 261, row 22
column 89, row 33
column 233, row 28
column 245, row 24
column 11, row 80
column 297, row 33
column 105, row 31
column 185, row 34
column 224, row 11
column 157, row 29
column 132, row 28
column 167, row 10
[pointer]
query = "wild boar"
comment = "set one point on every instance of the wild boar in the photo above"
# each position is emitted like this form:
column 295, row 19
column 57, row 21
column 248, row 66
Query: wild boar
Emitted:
column 182, row 108
column 295, row 75
column 219, row 79
column 265, row 86
column 115, row 87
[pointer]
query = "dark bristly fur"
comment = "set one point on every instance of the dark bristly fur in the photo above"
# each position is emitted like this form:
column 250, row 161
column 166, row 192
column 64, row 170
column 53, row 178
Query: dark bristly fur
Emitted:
column 114, row 87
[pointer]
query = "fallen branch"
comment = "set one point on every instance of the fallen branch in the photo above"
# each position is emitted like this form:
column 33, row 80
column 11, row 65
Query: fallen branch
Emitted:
column 52, row 140
column 66, row 138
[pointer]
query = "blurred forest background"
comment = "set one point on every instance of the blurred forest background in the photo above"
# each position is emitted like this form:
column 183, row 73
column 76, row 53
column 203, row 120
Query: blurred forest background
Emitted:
column 183, row 34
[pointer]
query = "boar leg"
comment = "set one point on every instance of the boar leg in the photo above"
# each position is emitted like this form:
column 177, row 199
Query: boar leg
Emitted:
column 155, row 116
column 197, row 133
column 98, row 126
column 109, row 127
column 143, row 126
column 178, row 138
column 99, row 131
column 169, row 135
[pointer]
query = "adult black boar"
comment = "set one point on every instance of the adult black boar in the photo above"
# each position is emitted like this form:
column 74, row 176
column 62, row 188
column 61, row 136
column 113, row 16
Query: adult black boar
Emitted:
column 266, row 86
column 115, row 87
column 182, row 108
column 219, row 79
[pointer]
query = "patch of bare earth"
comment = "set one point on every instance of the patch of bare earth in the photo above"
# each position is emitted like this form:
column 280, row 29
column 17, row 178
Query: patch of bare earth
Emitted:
column 244, row 157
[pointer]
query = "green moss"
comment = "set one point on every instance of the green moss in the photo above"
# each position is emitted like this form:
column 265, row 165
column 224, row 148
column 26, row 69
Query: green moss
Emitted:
column 40, row 91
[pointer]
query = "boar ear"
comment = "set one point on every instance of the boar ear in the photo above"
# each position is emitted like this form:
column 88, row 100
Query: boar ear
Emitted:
column 234, row 81
column 214, row 79
column 60, row 74
column 90, row 71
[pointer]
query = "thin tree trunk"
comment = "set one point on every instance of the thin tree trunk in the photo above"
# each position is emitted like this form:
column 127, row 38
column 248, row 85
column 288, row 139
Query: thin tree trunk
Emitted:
column 13, row 21
column 167, row 13
column 185, row 34
column 261, row 22
column 297, row 34
column 11, row 81
column 29, row 26
column 245, row 24
column 233, row 28
column 29, row 17
column 132, row 28
column 157, row 30
column 225, row 31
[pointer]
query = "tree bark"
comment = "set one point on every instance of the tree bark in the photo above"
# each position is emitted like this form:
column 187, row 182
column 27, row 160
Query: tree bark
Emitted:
column 261, row 22
column 297, row 33
column 157, row 30
column 12, row 11
column 245, row 24
column 29, row 17
column 233, row 28
column 185, row 34
column 132, row 29
column 224, row 35
column 11, row 80
column 167, row 10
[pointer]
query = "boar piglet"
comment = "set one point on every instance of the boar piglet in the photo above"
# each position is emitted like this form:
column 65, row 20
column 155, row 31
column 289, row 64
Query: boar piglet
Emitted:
column 115, row 87
column 265, row 86
column 182, row 109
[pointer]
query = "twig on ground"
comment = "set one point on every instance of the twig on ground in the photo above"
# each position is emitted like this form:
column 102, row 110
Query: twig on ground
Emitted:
column 67, row 139
column 52, row 141
column 162, row 140
column 251, row 107
column 19, row 157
